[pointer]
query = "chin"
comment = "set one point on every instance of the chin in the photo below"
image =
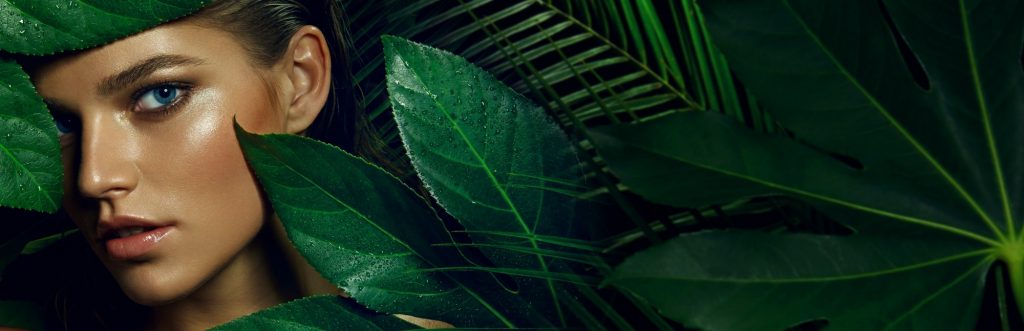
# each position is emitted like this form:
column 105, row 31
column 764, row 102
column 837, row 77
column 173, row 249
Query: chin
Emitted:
column 150, row 285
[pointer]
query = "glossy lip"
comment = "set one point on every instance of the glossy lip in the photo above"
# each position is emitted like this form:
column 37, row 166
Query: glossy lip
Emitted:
column 106, row 229
column 134, row 246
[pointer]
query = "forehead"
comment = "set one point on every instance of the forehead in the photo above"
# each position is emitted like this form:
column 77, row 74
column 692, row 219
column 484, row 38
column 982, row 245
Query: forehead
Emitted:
column 177, row 38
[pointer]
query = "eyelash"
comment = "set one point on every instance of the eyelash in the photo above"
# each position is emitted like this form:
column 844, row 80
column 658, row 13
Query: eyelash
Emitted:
column 179, row 100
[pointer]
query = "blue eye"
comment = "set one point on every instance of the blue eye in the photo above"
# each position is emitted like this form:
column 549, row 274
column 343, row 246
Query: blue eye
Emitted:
column 158, row 98
column 66, row 124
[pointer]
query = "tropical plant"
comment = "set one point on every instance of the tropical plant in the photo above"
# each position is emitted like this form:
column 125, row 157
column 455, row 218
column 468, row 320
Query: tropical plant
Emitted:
column 499, row 244
column 903, row 118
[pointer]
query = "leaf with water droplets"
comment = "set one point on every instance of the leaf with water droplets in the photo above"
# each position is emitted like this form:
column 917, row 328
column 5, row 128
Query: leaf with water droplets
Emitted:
column 38, row 27
column 30, row 169
column 502, row 164
column 369, row 234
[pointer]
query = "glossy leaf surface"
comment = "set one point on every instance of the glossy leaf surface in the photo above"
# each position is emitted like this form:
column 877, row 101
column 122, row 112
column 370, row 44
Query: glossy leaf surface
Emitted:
column 934, row 161
column 317, row 313
column 42, row 27
column 366, row 232
column 491, row 158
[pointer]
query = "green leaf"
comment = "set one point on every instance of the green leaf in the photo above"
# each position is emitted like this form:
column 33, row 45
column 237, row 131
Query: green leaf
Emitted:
column 932, row 159
column 31, row 173
column 709, row 280
column 317, row 313
column 37, row 245
column 369, row 234
column 42, row 27
column 492, row 159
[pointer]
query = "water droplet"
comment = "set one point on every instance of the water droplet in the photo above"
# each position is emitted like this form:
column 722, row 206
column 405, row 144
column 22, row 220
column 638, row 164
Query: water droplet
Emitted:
column 21, row 21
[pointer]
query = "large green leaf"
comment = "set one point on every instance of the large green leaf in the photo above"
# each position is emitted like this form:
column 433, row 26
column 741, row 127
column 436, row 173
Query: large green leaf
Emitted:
column 41, row 27
column 316, row 313
column 30, row 170
column 369, row 234
column 493, row 159
column 723, row 280
column 898, row 159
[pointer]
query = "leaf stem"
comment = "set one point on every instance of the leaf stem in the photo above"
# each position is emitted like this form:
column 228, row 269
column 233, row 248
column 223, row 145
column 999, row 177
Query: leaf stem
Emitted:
column 1014, row 258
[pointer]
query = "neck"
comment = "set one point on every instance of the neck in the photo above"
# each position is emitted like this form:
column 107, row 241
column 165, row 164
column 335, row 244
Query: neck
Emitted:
column 245, row 286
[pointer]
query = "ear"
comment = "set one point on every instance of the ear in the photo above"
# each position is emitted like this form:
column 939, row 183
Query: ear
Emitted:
column 308, row 68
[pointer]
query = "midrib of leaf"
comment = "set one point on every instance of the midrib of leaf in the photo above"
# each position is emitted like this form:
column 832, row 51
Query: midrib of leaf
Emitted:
column 494, row 181
column 938, row 292
column 865, row 275
column 411, row 293
column 903, row 132
column 985, row 120
column 28, row 173
column 848, row 204
column 487, row 305
column 624, row 53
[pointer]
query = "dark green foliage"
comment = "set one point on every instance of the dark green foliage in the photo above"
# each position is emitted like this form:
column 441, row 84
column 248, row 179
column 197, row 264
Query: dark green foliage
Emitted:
column 491, row 158
column 925, row 170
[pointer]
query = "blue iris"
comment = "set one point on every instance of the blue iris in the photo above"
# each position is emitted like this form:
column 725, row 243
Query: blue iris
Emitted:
column 165, row 95
column 65, row 123
column 158, row 98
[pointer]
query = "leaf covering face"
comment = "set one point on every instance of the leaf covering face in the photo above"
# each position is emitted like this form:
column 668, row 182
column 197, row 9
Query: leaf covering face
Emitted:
column 153, row 147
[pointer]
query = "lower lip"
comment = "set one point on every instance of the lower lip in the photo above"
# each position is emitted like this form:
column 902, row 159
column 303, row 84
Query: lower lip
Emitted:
column 136, row 245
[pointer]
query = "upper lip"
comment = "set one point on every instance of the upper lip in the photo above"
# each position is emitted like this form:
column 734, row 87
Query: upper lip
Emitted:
column 107, row 228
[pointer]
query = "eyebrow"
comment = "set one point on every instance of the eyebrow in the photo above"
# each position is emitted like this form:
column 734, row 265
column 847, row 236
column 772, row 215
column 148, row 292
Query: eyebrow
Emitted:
column 145, row 68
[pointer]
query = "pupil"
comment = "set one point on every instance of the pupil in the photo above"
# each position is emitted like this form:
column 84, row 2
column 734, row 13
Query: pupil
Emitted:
column 165, row 94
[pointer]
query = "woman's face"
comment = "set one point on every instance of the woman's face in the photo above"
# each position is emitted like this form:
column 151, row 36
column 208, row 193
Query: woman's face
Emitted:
column 155, row 178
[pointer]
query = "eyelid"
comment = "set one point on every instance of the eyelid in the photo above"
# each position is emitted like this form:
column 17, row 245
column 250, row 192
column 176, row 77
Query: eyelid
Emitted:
column 139, row 92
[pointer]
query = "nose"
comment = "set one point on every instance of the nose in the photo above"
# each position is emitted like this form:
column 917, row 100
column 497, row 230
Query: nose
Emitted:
column 107, row 170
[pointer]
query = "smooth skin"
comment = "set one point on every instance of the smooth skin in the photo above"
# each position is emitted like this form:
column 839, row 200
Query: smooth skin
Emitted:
column 155, row 140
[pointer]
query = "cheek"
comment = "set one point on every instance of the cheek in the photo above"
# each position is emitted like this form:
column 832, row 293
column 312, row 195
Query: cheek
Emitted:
column 204, row 170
